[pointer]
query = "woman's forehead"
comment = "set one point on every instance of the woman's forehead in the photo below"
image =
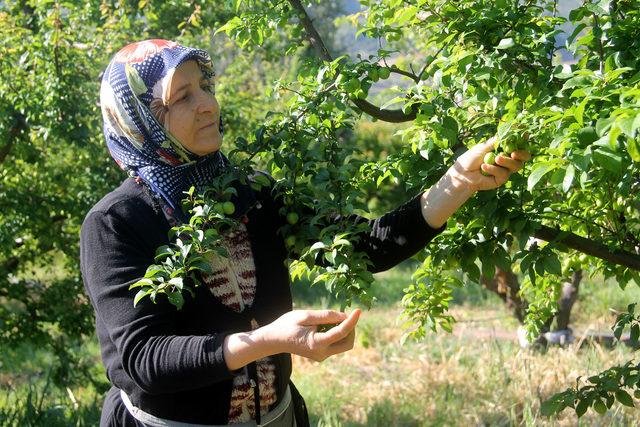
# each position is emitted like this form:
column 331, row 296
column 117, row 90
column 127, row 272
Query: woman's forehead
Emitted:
column 188, row 70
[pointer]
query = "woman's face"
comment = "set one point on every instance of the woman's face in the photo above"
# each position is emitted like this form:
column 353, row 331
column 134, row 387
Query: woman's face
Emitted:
column 193, row 113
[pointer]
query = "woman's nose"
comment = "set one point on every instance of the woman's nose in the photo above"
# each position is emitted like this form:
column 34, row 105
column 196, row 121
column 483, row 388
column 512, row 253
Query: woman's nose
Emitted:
column 208, row 103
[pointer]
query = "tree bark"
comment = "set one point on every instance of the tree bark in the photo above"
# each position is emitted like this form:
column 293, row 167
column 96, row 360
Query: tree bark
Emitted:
column 569, row 296
column 505, row 284
column 587, row 246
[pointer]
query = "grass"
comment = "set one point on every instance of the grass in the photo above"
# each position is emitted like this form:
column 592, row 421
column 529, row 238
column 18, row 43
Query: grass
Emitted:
column 457, row 379
column 476, row 376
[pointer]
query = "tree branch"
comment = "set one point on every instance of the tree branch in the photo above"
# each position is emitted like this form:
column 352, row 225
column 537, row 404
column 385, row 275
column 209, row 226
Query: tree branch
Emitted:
column 587, row 246
column 393, row 116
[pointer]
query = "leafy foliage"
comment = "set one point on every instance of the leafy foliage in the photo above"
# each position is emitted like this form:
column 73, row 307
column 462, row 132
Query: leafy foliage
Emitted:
column 487, row 70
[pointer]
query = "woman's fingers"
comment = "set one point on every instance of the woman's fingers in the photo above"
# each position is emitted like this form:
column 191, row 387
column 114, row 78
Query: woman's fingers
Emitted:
column 338, row 332
column 344, row 344
column 510, row 163
column 319, row 317
column 500, row 174
column 521, row 155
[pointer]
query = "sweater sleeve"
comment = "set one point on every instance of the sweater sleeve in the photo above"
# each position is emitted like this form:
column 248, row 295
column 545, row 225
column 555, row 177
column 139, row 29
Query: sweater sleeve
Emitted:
column 395, row 236
column 391, row 239
column 113, row 255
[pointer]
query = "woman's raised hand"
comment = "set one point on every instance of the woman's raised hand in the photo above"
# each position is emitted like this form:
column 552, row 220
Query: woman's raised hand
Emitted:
column 469, row 167
column 297, row 332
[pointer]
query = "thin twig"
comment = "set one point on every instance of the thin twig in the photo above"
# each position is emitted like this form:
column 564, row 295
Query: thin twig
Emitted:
column 393, row 116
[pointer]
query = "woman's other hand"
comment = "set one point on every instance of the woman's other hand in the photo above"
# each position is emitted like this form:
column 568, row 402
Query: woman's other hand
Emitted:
column 469, row 166
column 295, row 332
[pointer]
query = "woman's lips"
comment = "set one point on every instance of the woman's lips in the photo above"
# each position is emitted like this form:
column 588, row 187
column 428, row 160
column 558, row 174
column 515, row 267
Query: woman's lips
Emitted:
column 207, row 126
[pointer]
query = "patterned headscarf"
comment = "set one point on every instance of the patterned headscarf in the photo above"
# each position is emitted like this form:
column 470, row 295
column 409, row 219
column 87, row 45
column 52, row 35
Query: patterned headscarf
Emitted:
column 133, row 98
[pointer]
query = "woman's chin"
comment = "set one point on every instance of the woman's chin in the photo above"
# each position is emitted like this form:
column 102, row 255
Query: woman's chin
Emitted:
column 210, row 146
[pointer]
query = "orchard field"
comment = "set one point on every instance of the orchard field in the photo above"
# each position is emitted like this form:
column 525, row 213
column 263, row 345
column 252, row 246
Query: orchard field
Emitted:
column 353, row 107
column 478, row 375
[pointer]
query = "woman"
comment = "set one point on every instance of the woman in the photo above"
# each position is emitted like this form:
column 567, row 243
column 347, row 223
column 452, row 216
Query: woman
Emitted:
column 227, row 352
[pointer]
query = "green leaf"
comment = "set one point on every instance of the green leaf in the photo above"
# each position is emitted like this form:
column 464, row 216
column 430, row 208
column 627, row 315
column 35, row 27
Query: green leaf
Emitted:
column 163, row 252
column 231, row 25
column 609, row 160
column 538, row 171
column 261, row 179
column 141, row 294
column 341, row 242
column 552, row 265
column 581, row 407
column 203, row 266
column 617, row 331
column 178, row 282
column 614, row 133
column 153, row 270
column 550, row 407
column 317, row 246
column 579, row 111
column 176, row 299
column 506, row 43
column 599, row 406
column 633, row 148
column 578, row 81
column 396, row 100
column 141, row 282
column 568, row 178
column 634, row 333
column 624, row 398
column 488, row 268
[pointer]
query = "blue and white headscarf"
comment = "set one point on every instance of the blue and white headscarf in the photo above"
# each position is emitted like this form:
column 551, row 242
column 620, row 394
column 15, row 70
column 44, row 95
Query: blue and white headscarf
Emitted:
column 133, row 97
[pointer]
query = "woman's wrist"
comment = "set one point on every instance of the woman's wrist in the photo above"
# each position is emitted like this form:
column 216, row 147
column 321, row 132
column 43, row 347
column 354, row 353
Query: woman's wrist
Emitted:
column 242, row 348
column 445, row 197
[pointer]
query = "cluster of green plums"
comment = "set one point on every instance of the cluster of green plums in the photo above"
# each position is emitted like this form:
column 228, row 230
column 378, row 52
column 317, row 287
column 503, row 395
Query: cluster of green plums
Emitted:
column 504, row 147
column 357, row 88
column 224, row 208
column 292, row 218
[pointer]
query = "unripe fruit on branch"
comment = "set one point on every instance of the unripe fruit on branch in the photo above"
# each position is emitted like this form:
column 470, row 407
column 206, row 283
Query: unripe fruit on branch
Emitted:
column 374, row 75
column 352, row 85
column 292, row 218
column 290, row 241
column 509, row 148
column 587, row 135
column 490, row 158
column 384, row 73
column 229, row 208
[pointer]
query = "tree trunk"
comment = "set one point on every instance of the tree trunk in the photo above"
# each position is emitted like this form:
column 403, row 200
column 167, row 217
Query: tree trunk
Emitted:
column 505, row 284
column 567, row 299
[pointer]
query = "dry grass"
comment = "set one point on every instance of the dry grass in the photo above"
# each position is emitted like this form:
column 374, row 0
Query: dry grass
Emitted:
column 457, row 379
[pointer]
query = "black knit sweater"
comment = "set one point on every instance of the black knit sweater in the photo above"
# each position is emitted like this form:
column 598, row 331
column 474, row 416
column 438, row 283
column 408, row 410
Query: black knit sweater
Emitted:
column 171, row 362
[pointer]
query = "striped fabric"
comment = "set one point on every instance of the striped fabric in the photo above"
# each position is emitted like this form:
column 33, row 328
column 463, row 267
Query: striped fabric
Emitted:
column 233, row 282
